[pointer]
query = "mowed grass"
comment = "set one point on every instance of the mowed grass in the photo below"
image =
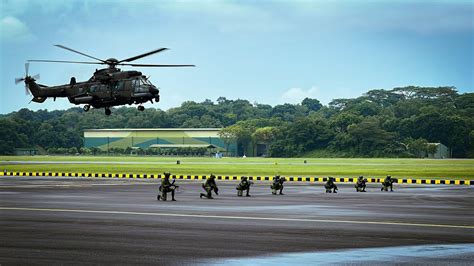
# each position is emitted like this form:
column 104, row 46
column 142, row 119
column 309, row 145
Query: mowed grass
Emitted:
column 400, row 168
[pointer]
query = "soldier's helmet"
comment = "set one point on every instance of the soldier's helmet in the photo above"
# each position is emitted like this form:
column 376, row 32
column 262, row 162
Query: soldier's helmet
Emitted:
column 244, row 178
column 212, row 176
column 361, row 177
column 167, row 174
column 277, row 177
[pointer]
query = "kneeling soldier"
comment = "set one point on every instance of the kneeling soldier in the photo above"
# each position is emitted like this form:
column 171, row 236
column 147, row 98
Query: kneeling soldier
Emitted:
column 244, row 185
column 360, row 185
column 166, row 187
column 388, row 182
column 330, row 186
column 209, row 186
column 278, row 185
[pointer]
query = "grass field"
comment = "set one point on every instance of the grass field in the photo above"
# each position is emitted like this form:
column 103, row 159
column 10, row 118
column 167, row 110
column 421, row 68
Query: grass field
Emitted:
column 411, row 168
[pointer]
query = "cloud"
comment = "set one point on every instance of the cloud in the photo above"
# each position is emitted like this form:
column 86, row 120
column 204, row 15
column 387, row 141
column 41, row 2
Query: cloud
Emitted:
column 225, row 16
column 296, row 95
column 38, row 7
column 416, row 16
column 14, row 30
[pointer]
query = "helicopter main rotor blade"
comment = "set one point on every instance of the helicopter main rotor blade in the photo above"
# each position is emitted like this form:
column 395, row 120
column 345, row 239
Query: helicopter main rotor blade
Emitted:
column 27, row 67
column 77, row 52
column 147, row 65
column 143, row 55
column 60, row 61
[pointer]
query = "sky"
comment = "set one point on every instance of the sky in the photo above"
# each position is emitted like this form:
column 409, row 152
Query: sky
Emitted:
column 269, row 52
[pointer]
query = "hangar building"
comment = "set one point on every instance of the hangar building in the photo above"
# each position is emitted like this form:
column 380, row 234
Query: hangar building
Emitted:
column 162, row 138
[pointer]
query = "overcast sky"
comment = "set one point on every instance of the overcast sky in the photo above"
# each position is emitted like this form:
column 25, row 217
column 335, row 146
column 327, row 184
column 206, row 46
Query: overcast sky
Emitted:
column 264, row 51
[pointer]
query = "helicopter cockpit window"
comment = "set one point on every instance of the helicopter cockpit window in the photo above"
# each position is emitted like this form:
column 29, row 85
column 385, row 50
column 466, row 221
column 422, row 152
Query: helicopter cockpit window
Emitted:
column 135, row 83
column 138, row 85
column 145, row 81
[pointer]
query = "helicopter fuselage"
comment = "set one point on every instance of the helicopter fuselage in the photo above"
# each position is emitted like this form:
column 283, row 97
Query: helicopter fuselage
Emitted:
column 105, row 89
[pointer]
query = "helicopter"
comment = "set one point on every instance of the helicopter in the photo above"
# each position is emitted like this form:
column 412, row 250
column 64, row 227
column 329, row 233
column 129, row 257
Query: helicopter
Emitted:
column 106, row 88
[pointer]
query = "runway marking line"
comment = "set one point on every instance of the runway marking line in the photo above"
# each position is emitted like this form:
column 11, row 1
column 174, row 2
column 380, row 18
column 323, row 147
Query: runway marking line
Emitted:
column 237, row 217
column 312, row 179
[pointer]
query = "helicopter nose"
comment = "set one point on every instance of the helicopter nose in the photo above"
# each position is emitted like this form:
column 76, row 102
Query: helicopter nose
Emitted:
column 153, row 90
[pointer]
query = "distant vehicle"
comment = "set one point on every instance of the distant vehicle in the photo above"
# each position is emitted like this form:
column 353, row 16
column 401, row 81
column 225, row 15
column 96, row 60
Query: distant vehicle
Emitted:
column 106, row 88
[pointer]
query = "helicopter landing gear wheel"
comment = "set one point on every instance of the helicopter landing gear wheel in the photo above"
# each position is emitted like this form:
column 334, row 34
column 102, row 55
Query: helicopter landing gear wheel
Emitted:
column 107, row 111
column 141, row 108
column 86, row 108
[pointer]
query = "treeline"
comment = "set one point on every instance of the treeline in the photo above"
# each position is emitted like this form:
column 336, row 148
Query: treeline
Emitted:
column 394, row 123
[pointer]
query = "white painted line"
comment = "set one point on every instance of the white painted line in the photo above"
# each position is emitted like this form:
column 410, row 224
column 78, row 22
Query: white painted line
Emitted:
column 237, row 217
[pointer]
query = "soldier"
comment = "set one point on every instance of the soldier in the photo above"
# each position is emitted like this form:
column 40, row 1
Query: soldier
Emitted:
column 278, row 185
column 360, row 185
column 388, row 182
column 244, row 185
column 209, row 186
column 330, row 186
column 166, row 187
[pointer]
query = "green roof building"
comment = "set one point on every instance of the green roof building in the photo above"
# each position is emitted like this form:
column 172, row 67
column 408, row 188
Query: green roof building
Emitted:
column 159, row 138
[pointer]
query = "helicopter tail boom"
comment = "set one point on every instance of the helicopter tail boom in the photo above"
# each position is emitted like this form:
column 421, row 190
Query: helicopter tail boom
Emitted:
column 33, row 87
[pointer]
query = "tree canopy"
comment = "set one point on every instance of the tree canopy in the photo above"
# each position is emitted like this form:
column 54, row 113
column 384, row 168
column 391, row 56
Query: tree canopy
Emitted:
column 396, row 123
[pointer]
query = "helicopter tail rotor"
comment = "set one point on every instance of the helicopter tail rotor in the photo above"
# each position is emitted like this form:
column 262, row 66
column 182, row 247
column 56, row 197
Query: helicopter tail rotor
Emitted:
column 27, row 78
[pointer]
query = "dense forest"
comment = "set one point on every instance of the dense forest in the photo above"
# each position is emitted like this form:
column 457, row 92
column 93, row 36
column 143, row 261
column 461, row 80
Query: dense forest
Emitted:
column 381, row 123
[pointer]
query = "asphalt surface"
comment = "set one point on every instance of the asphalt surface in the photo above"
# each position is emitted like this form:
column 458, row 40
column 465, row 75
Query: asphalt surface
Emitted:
column 97, row 221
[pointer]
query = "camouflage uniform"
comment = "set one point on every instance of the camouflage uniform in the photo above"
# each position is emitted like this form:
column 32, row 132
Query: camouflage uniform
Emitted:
column 330, row 186
column 360, row 185
column 388, row 182
column 209, row 186
column 166, row 187
column 278, row 185
column 244, row 185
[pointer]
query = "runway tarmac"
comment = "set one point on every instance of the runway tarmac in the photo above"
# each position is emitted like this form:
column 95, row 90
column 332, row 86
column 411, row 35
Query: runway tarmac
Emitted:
column 46, row 220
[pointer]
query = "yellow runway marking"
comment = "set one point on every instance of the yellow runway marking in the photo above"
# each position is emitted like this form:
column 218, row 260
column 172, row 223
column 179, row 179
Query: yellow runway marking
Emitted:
column 237, row 217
